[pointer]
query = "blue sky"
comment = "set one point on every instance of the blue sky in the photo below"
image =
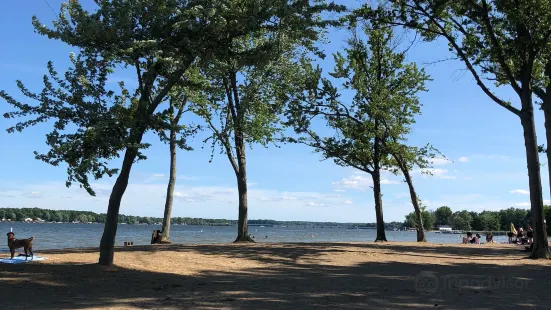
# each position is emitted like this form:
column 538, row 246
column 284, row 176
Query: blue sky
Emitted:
column 485, row 170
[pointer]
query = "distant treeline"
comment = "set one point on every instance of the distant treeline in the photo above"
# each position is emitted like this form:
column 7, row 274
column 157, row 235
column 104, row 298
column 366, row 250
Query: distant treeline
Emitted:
column 483, row 221
column 69, row 216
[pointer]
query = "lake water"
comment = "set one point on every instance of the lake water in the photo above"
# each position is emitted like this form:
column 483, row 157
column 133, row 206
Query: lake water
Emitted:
column 56, row 236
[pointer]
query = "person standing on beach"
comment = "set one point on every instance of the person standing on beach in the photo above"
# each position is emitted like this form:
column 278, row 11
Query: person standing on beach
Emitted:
column 530, row 234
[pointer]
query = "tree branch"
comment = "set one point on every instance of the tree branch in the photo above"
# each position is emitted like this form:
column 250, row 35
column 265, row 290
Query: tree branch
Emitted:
column 226, row 144
column 232, row 108
column 465, row 59
column 318, row 144
column 497, row 46
column 180, row 110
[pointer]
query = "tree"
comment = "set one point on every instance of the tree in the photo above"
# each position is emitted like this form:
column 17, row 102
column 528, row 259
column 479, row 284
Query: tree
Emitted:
column 513, row 215
column 487, row 220
column 536, row 17
column 178, row 105
column 174, row 120
column 461, row 220
column 427, row 220
column 443, row 216
column 58, row 217
column 11, row 216
column 250, row 83
column 384, row 103
column 498, row 41
column 547, row 213
column 405, row 158
column 82, row 218
column 46, row 215
column 159, row 40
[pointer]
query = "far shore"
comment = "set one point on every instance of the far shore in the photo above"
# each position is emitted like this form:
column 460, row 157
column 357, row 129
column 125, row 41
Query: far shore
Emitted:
column 282, row 275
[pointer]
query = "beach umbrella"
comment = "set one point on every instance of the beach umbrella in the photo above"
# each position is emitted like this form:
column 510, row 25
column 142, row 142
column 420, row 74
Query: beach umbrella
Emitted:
column 513, row 230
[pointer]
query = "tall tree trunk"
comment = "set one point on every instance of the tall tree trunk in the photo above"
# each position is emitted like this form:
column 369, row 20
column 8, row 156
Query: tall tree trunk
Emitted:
column 546, row 106
column 107, row 243
column 541, row 247
column 376, row 176
column 170, row 188
column 242, row 225
column 414, row 201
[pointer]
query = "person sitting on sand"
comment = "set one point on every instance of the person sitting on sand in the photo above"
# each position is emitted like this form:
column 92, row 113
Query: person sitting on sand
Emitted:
column 475, row 239
column 510, row 235
column 520, row 236
column 489, row 237
column 469, row 237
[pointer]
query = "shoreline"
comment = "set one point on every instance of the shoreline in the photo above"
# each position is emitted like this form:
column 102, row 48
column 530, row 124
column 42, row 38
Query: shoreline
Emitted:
column 145, row 247
column 361, row 275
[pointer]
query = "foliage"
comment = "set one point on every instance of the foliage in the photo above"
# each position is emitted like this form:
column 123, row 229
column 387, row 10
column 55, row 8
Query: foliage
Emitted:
column 489, row 221
column 483, row 221
column 461, row 220
column 68, row 216
column 497, row 40
column 427, row 216
column 246, row 95
column 93, row 123
column 80, row 99
column 443, row 216
column 254, row 77
column 158, row 40
column 382, row 108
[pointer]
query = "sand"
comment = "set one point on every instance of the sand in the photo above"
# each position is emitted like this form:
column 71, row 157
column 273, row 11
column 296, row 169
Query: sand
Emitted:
column 285, row 276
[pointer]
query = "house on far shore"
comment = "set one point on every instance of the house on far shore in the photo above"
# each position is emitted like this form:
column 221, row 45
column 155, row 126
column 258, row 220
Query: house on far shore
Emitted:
column 444, row 228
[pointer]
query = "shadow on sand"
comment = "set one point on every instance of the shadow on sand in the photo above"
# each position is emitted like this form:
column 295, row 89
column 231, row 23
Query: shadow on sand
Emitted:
column 297, row 282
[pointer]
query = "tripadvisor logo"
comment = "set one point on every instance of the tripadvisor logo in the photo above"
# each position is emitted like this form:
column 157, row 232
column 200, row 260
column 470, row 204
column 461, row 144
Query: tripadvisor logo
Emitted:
column 428, row 282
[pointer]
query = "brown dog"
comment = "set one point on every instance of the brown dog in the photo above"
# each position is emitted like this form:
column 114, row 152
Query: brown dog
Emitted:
column 26, row 244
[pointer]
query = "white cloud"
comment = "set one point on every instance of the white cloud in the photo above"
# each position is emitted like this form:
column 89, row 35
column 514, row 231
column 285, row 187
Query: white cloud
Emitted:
column 360, row 182
column 33, row 194
column 522, row 204
column 439, row 161
column 289, row 198
column 148, row 199
column 387, row 181
column 315, row 204
column 465, row 159
column 435, row 172
column 527, row 204
column 520, row 191
column 470, row 202
column 339, row 190
column 348, row 202
column 160, row 178
column 401, row 195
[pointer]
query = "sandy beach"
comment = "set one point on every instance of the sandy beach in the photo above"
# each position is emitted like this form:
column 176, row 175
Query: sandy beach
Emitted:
column 267, row 276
